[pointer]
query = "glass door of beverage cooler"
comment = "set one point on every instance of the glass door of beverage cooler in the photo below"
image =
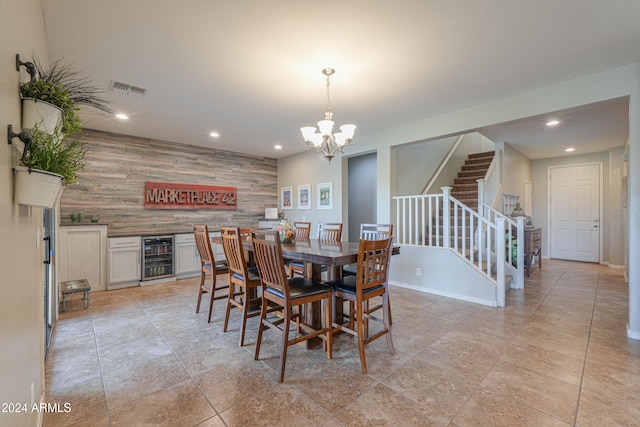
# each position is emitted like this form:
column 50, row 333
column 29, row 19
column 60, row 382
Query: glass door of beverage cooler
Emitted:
column 157, row 257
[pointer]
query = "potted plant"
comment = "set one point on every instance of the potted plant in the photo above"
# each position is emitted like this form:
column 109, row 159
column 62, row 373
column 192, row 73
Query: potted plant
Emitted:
column 50, row 162
column 55, row 96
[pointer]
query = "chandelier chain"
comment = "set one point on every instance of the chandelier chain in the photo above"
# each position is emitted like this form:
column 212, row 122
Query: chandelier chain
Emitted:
column 328, row 95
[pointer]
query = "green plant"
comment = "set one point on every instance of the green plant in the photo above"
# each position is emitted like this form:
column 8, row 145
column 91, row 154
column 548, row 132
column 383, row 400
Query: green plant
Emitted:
column 53, row 153
column 63, row 86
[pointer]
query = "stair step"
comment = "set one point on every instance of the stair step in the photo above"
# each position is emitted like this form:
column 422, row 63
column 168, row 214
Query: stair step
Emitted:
column 476, row 167
column 465, row 187
column 482, row 154
column 476, row 174
column 465, row 194
column 466, row 180
column 486, row 160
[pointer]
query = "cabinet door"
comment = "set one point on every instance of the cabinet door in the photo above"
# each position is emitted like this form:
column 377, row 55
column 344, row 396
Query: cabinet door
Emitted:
column 82, row 255
column 187, row 258
column 124, row 265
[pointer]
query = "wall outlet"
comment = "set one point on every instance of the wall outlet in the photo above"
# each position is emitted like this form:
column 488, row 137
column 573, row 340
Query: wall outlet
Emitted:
column 154, row 221
column 418, row 271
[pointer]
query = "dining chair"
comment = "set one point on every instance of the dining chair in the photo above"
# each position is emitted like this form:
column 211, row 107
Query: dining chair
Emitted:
column 370, row 232
column 243, row 281
column 209, row 269
column 290, row 294
column 303, row 230
column 371, row 280
column 330, row 231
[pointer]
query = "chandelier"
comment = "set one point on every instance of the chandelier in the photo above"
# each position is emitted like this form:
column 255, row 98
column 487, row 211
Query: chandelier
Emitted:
column 325, row 141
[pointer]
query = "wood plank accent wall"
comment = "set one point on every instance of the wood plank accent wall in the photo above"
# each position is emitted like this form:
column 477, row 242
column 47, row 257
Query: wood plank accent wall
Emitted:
column 112, row 184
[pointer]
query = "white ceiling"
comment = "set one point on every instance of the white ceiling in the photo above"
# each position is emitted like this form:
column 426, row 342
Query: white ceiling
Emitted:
column 251, row 69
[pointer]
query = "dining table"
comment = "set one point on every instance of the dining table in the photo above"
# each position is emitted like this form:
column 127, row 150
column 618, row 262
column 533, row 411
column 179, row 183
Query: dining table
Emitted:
column 317, row 255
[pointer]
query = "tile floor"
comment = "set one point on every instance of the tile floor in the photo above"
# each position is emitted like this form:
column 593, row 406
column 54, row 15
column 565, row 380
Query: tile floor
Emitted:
column 557, row 355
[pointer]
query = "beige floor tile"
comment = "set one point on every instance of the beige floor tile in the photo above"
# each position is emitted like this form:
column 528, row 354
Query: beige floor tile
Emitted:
column 179, row 405
column 485, row 408
column 553, row 397
column 267, row 409
column 382, row 406
column 601, row 410
column 545, row 362
column 442, row 391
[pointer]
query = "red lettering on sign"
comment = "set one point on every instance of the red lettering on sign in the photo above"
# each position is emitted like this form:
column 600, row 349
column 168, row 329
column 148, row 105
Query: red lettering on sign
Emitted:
column 162, row 195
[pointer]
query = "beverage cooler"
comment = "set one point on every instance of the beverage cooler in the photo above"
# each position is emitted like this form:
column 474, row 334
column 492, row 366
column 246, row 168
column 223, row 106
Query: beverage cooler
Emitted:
column 157, row 257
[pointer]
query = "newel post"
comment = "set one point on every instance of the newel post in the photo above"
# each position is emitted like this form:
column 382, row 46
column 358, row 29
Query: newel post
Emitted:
column 501, row 251
column 481, row 197
column 446, row 214
column 520, row 252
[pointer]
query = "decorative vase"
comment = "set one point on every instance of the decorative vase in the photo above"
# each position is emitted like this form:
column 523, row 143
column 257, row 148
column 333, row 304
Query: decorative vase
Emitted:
column 73, row 217
column 36, row 187
column 287, row 231
column 95, row 219
column 80, row 216
column 517, row 211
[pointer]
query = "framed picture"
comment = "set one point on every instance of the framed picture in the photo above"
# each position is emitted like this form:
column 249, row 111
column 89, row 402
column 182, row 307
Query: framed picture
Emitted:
column 304, row 196
column 287, row 199
column 325, row 195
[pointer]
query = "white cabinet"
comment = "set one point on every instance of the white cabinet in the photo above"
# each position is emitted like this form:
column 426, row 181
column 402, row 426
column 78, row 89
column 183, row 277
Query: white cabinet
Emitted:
column 124, row 262
column 82, row 254
column 187, row 260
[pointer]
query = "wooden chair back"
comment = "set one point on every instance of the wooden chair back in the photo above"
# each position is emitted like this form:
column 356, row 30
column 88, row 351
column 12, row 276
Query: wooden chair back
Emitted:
column 373, row 264
column 201, row 234
column 376, row 231
column 233, row 250
column 268, row 256
column 303, row 230
column 330, row 232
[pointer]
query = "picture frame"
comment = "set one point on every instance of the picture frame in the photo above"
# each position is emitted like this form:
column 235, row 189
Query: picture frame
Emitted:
column 325, row 195
column 304, row 197
column 286, row 198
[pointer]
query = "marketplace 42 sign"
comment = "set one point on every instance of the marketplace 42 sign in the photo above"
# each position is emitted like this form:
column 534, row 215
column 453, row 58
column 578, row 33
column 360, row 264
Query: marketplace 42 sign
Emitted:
column 161, row 195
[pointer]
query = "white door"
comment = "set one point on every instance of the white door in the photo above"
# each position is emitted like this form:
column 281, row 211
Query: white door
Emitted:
column 575, row 212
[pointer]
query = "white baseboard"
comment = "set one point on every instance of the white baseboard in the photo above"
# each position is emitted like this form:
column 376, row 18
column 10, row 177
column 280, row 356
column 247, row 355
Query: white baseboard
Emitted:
column 444, row 294
column 634, row 335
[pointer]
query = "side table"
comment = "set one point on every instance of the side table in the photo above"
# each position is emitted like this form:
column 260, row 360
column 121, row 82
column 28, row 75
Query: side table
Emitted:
column 73, row 286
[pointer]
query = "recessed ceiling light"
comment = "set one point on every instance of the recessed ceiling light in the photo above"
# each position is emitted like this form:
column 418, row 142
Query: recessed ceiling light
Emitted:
column 214, row 134
column 121, row 116
column 570, row 149
column 552, row 122
column 278, row 147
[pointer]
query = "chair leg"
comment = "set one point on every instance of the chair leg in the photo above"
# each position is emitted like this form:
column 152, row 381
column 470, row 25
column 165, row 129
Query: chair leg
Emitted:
column 360, row 325
column 285, row 341
column 261, row 328
column 243, row 324
column 328, row 318
column 200, row 293
column 213, row 293
column 386, row 317
column 232, row 289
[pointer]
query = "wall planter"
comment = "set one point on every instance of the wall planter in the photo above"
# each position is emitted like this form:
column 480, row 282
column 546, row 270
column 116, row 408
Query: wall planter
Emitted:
column 41, row 115
column 36, row 187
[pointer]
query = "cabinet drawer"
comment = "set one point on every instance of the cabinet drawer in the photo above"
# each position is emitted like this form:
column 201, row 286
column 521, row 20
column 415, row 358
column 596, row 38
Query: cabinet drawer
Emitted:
column 185, row 238
column 122, row 242
column 535, row 245
column 536, row 235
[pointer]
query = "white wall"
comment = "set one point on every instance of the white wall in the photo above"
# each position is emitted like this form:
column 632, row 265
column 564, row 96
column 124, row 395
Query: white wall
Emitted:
column 517, row 170
column 21, row 282
column 312, row 168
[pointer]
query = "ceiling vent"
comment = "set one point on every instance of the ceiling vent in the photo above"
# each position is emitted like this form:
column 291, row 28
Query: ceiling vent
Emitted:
column 126, row 89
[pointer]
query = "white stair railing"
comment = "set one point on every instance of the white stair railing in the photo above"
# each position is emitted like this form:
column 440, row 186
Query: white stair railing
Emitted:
column 443, row 221
column 511, row 227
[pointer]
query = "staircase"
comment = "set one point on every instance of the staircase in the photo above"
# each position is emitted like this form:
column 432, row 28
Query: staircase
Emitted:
column 465, row 187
